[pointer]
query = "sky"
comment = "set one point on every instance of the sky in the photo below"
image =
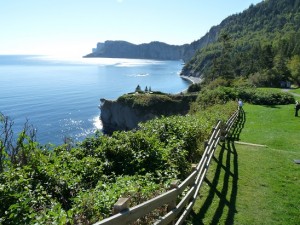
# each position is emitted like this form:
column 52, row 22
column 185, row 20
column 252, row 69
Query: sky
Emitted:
column 73, row 27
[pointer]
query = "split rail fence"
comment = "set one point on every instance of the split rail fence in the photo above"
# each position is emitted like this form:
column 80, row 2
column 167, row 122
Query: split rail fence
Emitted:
column 177, row 212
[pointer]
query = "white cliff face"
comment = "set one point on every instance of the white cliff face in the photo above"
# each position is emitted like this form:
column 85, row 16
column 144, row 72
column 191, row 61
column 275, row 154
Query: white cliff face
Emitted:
column 117, row 116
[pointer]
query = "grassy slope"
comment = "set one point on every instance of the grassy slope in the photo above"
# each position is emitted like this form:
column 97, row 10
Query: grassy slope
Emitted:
column 296, row 91
column 255, row 185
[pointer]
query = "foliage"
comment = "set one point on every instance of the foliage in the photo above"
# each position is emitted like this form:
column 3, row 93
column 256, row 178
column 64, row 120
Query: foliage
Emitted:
column 257, row 96
column 138, row 88
column 16, row 151
column 294, row 67
column 196, row 87
column 158, row 103
column 259, row 43
column 95, row 205
column 79, row 184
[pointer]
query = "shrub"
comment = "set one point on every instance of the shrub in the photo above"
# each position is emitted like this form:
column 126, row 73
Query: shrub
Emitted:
column 252, row 95
column 219, row 95
column 79, row 185
column 196, row 87
column 266, row 96
column 92, row 206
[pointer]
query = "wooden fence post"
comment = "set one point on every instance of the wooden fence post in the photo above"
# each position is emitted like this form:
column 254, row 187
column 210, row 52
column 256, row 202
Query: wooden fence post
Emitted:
column 194, row 167
column 223, row 132
column 172, row 204
column 205, row 144
column 121, row 204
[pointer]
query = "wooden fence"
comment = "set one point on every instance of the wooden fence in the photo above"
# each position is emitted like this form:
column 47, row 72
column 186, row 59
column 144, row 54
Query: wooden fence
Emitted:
column 179, row 206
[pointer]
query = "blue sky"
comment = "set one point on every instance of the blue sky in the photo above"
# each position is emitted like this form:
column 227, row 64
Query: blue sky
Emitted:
column 73, row 27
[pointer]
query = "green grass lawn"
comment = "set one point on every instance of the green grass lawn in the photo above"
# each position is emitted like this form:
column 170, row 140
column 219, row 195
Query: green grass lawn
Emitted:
column 296, row 90
column 255, row 185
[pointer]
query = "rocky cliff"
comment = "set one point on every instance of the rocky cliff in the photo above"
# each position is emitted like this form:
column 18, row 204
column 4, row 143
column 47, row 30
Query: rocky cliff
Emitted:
column 129, row 110
column 123, row 49
column 153, row 50
column 118, row 116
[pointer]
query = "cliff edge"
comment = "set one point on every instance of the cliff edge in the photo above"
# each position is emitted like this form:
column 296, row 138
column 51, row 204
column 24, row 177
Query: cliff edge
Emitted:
column 129, row 110
column 123, row 49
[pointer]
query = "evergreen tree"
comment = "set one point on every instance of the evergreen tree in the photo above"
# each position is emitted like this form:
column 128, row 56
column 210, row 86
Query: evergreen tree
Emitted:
column 138, row 88
column 294, row 67
column 222, row 64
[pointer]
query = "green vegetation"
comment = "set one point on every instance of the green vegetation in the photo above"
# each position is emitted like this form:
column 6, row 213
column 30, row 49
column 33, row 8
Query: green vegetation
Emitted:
column 296, row 91
column 220, row 94
column 157, row 102
column 260, row 44
column 196, row 87
column 79, row 184
column 246, row 184
column 251, row 184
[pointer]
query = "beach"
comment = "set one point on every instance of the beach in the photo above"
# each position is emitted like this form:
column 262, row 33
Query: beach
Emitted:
column 193, row 80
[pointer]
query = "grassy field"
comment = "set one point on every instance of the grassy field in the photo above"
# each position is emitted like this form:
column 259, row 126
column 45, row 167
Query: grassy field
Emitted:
column 296, row 90
column 248, row 184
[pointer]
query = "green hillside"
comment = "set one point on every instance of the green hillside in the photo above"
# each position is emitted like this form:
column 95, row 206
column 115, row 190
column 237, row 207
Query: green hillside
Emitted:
column 261, row 43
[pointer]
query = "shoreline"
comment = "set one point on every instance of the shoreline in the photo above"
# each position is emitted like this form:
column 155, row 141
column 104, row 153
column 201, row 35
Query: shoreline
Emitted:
column 193, row 80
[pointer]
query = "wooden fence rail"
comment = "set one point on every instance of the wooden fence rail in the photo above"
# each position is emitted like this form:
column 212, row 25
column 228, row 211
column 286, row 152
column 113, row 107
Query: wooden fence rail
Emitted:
column 177, row 211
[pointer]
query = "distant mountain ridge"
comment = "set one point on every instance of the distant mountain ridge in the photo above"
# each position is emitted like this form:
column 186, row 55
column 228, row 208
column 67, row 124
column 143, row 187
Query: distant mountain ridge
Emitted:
column 123, row 49
column 153, row 50
column 260, row 38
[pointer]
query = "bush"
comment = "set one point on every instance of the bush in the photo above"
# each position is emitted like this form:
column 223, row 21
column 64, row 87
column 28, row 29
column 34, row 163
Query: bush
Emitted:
column 196, row 87
column 252, row 95
column 92, row 206
column 79, row 185
column 219, row 95
column 266, row 96
column 158, row 103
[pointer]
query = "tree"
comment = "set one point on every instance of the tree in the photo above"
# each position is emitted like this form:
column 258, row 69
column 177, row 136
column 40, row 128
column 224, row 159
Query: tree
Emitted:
column 19, row 151
column 222, row 64
column 138, row 88
column 146, row 89
column 280, row 67
column 294, row 67
column 266, row 57
column 6, row 136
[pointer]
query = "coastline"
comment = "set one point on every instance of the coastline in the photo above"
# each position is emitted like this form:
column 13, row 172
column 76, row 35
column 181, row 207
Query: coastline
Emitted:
column 193, row 80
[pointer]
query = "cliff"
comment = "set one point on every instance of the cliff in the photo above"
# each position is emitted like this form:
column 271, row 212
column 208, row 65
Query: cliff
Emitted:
column 122, row 49
column 129, row 110
column 153, row 50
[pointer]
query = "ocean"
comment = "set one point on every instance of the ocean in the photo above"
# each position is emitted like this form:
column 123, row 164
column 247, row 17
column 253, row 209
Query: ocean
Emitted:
column 60, row 97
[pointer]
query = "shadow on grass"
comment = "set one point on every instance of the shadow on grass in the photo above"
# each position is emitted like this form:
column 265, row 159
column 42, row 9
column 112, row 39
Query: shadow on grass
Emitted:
column 271, row 106
column 221, row 189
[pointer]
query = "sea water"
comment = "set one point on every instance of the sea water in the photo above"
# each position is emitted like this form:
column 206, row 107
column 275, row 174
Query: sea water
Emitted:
column 60, row 96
